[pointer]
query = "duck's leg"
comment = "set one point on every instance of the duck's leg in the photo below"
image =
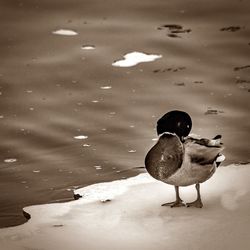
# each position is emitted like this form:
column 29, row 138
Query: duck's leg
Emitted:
column 178, row 202
column 197, row 202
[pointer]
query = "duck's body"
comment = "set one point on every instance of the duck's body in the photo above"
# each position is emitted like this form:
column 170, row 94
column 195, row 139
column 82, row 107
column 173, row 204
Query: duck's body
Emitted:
column 182, row 164
column 180, row 160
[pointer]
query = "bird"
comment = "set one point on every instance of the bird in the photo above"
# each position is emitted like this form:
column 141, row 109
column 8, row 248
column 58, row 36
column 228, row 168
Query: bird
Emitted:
column 180, row 159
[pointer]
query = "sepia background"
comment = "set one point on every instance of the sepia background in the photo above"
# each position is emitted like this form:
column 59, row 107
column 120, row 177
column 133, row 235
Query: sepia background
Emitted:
column 53, row 90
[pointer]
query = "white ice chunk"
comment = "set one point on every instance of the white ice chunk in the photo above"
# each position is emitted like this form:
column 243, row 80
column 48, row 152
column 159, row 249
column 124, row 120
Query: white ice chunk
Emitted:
column 88, row 47
column 133, row 58
column 10, row 160
column 81, row 137
column 98, row 167
column 106, row 87
column 65, row 32
column 132, row 151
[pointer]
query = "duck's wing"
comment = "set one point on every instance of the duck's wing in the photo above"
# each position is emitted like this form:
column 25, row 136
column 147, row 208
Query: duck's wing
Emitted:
column 165, row 157
column 203, row 151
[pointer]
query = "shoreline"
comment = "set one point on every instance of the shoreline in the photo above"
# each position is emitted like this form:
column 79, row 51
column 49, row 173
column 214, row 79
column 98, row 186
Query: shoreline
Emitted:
column 131, row 209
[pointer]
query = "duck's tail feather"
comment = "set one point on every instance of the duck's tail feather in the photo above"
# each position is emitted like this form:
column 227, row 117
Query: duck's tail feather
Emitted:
column 219, row 159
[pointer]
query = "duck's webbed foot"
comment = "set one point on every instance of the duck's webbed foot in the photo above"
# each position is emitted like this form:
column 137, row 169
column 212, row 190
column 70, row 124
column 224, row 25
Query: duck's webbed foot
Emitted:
column 177, row 203
column 197, row 203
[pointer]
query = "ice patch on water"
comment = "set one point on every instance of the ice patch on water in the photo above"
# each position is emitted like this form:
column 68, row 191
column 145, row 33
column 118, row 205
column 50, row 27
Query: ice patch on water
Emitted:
column 133, row 58
column 98, row 167
column 132, row 151
column 81, row 137
column 65, row 32
column 106, row 87
column 10, row 160
column 88, row 47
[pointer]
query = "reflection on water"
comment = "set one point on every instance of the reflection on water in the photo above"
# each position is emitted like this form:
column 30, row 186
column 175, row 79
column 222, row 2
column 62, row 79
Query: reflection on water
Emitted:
column 54, row 88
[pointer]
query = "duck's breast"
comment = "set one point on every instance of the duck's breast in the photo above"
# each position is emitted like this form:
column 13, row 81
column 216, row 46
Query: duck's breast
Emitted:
column 165, row 157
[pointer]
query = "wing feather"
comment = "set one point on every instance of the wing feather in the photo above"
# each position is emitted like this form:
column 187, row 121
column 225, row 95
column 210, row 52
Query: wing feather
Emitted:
column 202, row 151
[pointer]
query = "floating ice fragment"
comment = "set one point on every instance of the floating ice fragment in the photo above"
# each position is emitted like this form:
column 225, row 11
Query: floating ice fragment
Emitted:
column 133, row 58
column 106, row 87
column 65, row 32
column 36, row 171
column 10, row 160
column 1, row 116
column 86, row 145
column 98, row 167
column 88, row 47
column 132, row 151
column 81, row 137
column 95, row 101
column 154, row 139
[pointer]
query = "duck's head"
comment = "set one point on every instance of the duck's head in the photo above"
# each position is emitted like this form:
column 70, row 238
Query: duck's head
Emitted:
column 178, row 122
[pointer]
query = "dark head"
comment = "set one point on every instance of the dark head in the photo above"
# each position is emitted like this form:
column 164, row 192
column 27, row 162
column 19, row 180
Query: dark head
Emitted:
column 178, row 122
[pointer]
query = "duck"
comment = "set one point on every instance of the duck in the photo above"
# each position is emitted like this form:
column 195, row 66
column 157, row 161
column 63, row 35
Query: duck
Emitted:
column 180, row 159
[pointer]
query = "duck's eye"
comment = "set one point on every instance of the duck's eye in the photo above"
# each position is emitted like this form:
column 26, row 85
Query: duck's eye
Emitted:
column 179, row 124
column 187, row 126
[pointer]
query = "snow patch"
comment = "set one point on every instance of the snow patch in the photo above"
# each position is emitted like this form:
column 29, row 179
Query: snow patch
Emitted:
column 127, row 214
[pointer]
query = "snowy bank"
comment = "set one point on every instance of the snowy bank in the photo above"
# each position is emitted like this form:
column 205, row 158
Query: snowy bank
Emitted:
column 127, row 214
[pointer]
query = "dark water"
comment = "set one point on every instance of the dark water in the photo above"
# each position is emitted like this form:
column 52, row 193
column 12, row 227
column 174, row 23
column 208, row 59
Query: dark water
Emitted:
column 49, row 87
